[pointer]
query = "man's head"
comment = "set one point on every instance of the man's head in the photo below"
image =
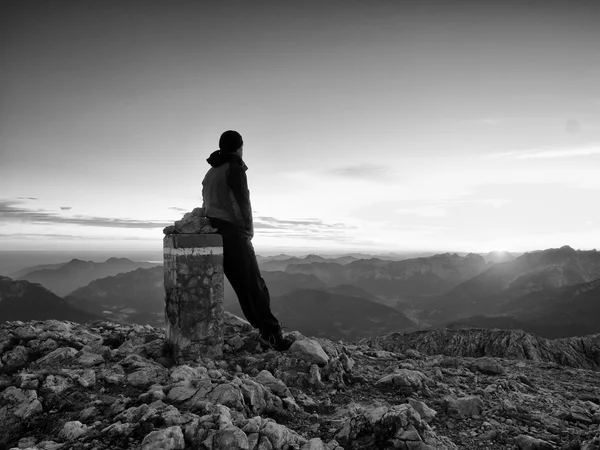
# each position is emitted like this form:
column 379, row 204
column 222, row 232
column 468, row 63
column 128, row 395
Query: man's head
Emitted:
column 230, row 142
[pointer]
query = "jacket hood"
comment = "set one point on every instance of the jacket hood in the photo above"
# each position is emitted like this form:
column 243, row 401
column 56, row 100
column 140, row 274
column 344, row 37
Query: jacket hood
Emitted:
column 218, row 158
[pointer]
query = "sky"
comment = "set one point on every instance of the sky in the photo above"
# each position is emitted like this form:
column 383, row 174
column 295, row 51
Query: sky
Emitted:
column 370, row 126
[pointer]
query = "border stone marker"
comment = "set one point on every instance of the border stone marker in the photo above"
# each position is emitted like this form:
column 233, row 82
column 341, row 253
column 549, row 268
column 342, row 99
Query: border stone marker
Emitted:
column 193, row 267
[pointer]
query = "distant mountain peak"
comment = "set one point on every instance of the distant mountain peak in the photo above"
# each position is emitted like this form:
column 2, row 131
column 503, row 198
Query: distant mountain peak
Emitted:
column 566, row 248
column 114, row 259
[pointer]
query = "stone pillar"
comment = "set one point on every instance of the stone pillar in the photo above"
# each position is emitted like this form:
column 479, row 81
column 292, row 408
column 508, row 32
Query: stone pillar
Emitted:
column 193, row 265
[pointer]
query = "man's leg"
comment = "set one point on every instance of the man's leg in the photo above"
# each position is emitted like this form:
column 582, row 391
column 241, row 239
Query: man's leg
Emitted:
column 236, row 271
column 241, row 268
column 259, row 293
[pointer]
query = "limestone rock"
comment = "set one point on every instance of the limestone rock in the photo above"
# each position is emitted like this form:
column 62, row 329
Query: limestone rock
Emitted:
column 591, row 444
column 193, row 222
column 166, row 439
column 56, row 357
column 279, row 435
column 399, row 424
column 22, row 404
column 478, row 405
column 256, row 396
column 580, row 352
column 463, row 406
column 57, row 384
column 408, row 381
column 230, row 438
column 314, row 444
column 309, row 350
column 73, row 430
column 226, row 394
column 530, row 443
column 426, row 413
column 185, row 374
column 18, row 356
column 265, row 378
column 88, row 359
column 488, row 366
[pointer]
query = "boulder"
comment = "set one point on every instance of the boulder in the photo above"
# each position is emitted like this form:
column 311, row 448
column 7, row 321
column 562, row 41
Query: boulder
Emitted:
column 406, row 380
column 230, row 438
column 488, row 366
column 267, row 379
column 426, row 413
column 309, row 350
column 525, row 442
column 166, row 439
column 463, row 406
column 73, row 430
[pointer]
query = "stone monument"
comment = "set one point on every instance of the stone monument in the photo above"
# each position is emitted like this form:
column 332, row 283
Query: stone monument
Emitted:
column 193, row 268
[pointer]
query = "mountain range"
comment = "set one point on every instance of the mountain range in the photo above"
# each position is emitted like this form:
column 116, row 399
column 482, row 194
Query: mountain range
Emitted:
column 22, row 300
column 399, row 280
column 136, row 296
column 553, row 292
column 62, row 279
column 551, row 312
column 491, row 291
column 279, row 263
column 337, row 316
column 336, row 313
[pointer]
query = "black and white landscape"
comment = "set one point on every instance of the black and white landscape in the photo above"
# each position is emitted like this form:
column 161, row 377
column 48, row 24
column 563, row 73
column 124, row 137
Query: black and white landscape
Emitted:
column 424, row 178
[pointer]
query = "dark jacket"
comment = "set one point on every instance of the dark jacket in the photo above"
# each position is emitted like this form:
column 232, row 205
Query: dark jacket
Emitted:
column 225, row 192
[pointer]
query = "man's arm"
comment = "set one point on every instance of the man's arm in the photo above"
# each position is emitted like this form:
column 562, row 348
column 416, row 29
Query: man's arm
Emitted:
column 239, row 186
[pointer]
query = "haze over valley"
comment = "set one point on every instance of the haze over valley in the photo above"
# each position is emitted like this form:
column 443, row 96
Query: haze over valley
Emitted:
column 552, row 292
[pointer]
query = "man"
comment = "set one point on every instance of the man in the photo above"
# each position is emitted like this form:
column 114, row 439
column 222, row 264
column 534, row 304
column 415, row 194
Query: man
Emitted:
column 227, row 204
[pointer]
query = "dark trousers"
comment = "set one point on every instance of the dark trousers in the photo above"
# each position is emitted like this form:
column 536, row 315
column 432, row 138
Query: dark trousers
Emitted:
column 241, row 269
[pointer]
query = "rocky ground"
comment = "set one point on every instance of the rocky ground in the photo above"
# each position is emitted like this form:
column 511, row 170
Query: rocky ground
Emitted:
column 108, row 386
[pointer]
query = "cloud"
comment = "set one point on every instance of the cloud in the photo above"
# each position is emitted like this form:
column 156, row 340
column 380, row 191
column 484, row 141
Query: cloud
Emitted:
column 41, row 236
column 306, row 228
column 271, row 222
column 66, row 208
column 178, row 209
column 363, row 171
column 27, row 198
column 10, row 212
column 69, row 237
column 550, row 154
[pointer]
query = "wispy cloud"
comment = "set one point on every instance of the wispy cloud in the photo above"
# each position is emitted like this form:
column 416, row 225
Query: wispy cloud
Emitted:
column 178, row 209
column 363, row 171
column 11, row 212
column 549, row 153
column 27, row 198
column 305, row 228
column 66, row 208
column 70, row 237
column 272, row 222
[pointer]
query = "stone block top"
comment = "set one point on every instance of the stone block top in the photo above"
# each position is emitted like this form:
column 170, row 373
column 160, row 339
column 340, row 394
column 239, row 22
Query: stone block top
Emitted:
column 193, row 241
column 193, row 222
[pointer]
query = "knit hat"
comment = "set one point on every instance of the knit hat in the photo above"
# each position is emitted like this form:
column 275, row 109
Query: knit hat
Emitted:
column 230, row 141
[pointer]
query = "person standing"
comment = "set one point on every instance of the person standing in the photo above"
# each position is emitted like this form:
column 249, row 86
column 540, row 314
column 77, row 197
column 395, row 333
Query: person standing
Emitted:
column 226, row 201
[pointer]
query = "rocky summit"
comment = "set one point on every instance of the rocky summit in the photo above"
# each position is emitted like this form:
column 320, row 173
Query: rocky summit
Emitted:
column 104, row 385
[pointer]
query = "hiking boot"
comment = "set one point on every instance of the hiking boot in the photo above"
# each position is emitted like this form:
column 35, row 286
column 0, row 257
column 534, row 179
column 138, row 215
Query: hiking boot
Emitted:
column 276, row 341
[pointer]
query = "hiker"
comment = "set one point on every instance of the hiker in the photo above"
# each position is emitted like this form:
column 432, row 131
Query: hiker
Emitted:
column 227, row 204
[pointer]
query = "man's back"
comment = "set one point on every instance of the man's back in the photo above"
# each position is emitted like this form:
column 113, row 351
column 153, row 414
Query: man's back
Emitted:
column 225, row 191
